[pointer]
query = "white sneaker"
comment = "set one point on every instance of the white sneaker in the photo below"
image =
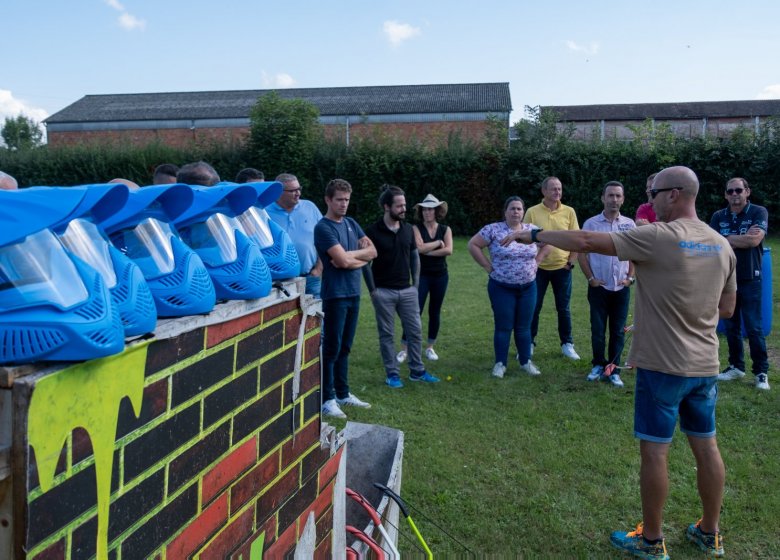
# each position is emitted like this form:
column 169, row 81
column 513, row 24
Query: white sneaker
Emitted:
column 595, row 373
column 352, row 400
column 331, row 408
column 401, row 356
column 569, row 351
column 530, row 368
column 762, row 382
column 731, row 373
column 431, row 354
column 615, row 380
column 499, row 370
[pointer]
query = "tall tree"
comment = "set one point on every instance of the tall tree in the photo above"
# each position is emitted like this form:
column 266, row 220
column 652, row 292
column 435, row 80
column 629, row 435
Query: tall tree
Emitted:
column 284, row 134
column 21, row 133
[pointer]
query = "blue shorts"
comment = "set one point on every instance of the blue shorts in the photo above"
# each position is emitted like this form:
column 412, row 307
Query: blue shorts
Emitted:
column 660, row 398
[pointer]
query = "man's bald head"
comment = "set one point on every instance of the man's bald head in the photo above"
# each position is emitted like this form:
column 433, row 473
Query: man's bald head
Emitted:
column 678, row 177
column 7, row 183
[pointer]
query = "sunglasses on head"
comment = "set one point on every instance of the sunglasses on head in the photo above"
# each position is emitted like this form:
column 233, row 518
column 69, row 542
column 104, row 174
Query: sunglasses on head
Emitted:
column 737, row 190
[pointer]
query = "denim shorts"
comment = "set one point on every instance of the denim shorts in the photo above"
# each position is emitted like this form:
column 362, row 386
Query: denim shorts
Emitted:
column 660, row 398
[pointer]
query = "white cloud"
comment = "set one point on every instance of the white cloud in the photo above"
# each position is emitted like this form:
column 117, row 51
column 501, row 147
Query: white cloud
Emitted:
column 397, row 32
column 278, row 81
column 115, row 4
column 11, row 107
column 591, row 49
column 130, row 22
column 769, row 92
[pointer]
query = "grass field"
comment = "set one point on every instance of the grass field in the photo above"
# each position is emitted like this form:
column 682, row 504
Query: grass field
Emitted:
column 548, row 466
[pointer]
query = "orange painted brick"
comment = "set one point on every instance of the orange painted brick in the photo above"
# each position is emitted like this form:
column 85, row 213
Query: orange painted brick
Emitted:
column 228, row 469
column 199, row 530
column 223, row 331
column 254, row 482
column 304, row 438
column 329, row 470
column 284, row 543
column 279, row 309
column 230, row 537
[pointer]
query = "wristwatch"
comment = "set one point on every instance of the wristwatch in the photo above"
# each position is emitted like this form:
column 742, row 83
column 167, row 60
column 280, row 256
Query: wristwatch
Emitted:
column 631, row 279
column 569, row 266
column 534, row 233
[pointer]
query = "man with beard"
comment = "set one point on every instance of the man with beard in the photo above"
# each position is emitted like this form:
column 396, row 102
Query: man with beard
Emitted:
column 608, row 286
column 392, row 282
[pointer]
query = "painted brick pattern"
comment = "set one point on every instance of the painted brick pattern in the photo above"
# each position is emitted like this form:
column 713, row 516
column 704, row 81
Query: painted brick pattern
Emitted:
column 218, row 455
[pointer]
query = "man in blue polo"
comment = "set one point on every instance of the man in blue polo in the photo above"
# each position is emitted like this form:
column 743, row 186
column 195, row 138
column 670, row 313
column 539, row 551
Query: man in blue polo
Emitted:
column 298, row 218
column 744, row 225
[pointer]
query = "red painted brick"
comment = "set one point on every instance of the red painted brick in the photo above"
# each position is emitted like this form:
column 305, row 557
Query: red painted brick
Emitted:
column 55, row 551
column 279, row 309
column 310, row 378
column 325, row 526
column 322, row 552
column 285, row 543
column 228, row 469
column 199, row 529
column 254, row 482
column 226, row 541
column 292, row 326
column 304, row 438
column 223, row 331
column 329, row 470
column 311, row 348
column 312, row 322
column 277, row 494
column 323, row 502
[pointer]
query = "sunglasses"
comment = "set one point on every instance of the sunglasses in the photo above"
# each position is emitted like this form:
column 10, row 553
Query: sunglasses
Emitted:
column 735, row 191
column 654, row 192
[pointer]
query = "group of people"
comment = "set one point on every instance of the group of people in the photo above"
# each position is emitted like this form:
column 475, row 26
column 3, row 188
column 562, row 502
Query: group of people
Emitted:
column 688, row 275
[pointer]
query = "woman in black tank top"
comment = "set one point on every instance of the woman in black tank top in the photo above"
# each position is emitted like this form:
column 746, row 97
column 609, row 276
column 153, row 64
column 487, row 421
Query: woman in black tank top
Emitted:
column 434, row 243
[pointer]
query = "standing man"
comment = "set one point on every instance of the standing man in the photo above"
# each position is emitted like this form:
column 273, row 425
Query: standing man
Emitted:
column 298, row 217
column 744, row 226
column 675, row 348
column 392, row 281
column 556, row 267
column 608, row 286
column 343, row 249
column 645, row 214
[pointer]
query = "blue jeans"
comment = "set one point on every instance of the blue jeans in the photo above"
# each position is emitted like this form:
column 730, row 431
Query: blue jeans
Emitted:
column 561, row 285
column 747, row 312
column 513, row 306
column 612, row 307
column 313, row 285
column 338, row 331
column 659, row 398
column 436, row 286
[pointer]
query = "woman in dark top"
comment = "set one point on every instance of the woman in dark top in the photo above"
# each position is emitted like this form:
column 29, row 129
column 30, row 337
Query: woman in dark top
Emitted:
column 434, row 243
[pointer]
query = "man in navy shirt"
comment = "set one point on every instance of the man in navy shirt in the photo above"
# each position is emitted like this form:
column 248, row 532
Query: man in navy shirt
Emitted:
column 392, row 282
column 744, row 225
column 343, row 249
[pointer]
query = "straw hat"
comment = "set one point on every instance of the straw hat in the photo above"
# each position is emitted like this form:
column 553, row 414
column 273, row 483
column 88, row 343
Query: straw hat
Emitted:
column 431, row 201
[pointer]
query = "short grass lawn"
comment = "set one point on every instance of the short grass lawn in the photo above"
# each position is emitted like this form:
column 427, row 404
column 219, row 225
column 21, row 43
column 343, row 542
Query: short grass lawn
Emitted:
column 548, row 466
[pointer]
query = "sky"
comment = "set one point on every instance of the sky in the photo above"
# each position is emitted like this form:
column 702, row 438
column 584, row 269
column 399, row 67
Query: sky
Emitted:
column 554, row 52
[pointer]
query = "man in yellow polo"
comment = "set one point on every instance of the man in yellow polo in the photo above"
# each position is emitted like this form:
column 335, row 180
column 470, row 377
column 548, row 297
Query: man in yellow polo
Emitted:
column 555, row 269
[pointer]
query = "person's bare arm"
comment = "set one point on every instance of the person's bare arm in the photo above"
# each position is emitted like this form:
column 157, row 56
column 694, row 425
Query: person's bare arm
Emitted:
column 352, row 259
column 726, row 305
column 476, row 247
column 748, row 240
column 577, row 241
column 443, row 247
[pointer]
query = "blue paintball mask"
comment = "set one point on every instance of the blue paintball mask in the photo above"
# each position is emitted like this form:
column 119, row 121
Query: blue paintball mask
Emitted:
column 211, row 229
column 53, row 305
column 143, row 231
column 275, row 245
column 83, row 237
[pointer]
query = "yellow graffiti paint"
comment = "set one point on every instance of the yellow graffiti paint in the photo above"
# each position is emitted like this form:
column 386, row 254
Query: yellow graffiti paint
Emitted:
column 86, row 395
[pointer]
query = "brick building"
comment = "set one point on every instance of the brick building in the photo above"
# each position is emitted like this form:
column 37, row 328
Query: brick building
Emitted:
column 690, row 120
column 426, row 112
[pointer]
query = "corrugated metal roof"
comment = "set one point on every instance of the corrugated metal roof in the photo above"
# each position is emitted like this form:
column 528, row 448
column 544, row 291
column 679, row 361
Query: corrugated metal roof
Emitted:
column 692, row 110
column 436, row 98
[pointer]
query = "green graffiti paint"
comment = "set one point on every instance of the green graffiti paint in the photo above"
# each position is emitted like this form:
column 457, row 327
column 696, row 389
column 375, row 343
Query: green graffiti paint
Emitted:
column 86, row 395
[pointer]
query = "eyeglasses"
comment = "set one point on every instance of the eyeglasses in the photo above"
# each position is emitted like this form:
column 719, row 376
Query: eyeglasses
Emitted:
column 735, row 191
column 654, row 192
column 293, row 190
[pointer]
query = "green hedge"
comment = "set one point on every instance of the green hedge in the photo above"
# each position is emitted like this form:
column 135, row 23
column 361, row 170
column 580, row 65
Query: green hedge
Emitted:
column 474, row 178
